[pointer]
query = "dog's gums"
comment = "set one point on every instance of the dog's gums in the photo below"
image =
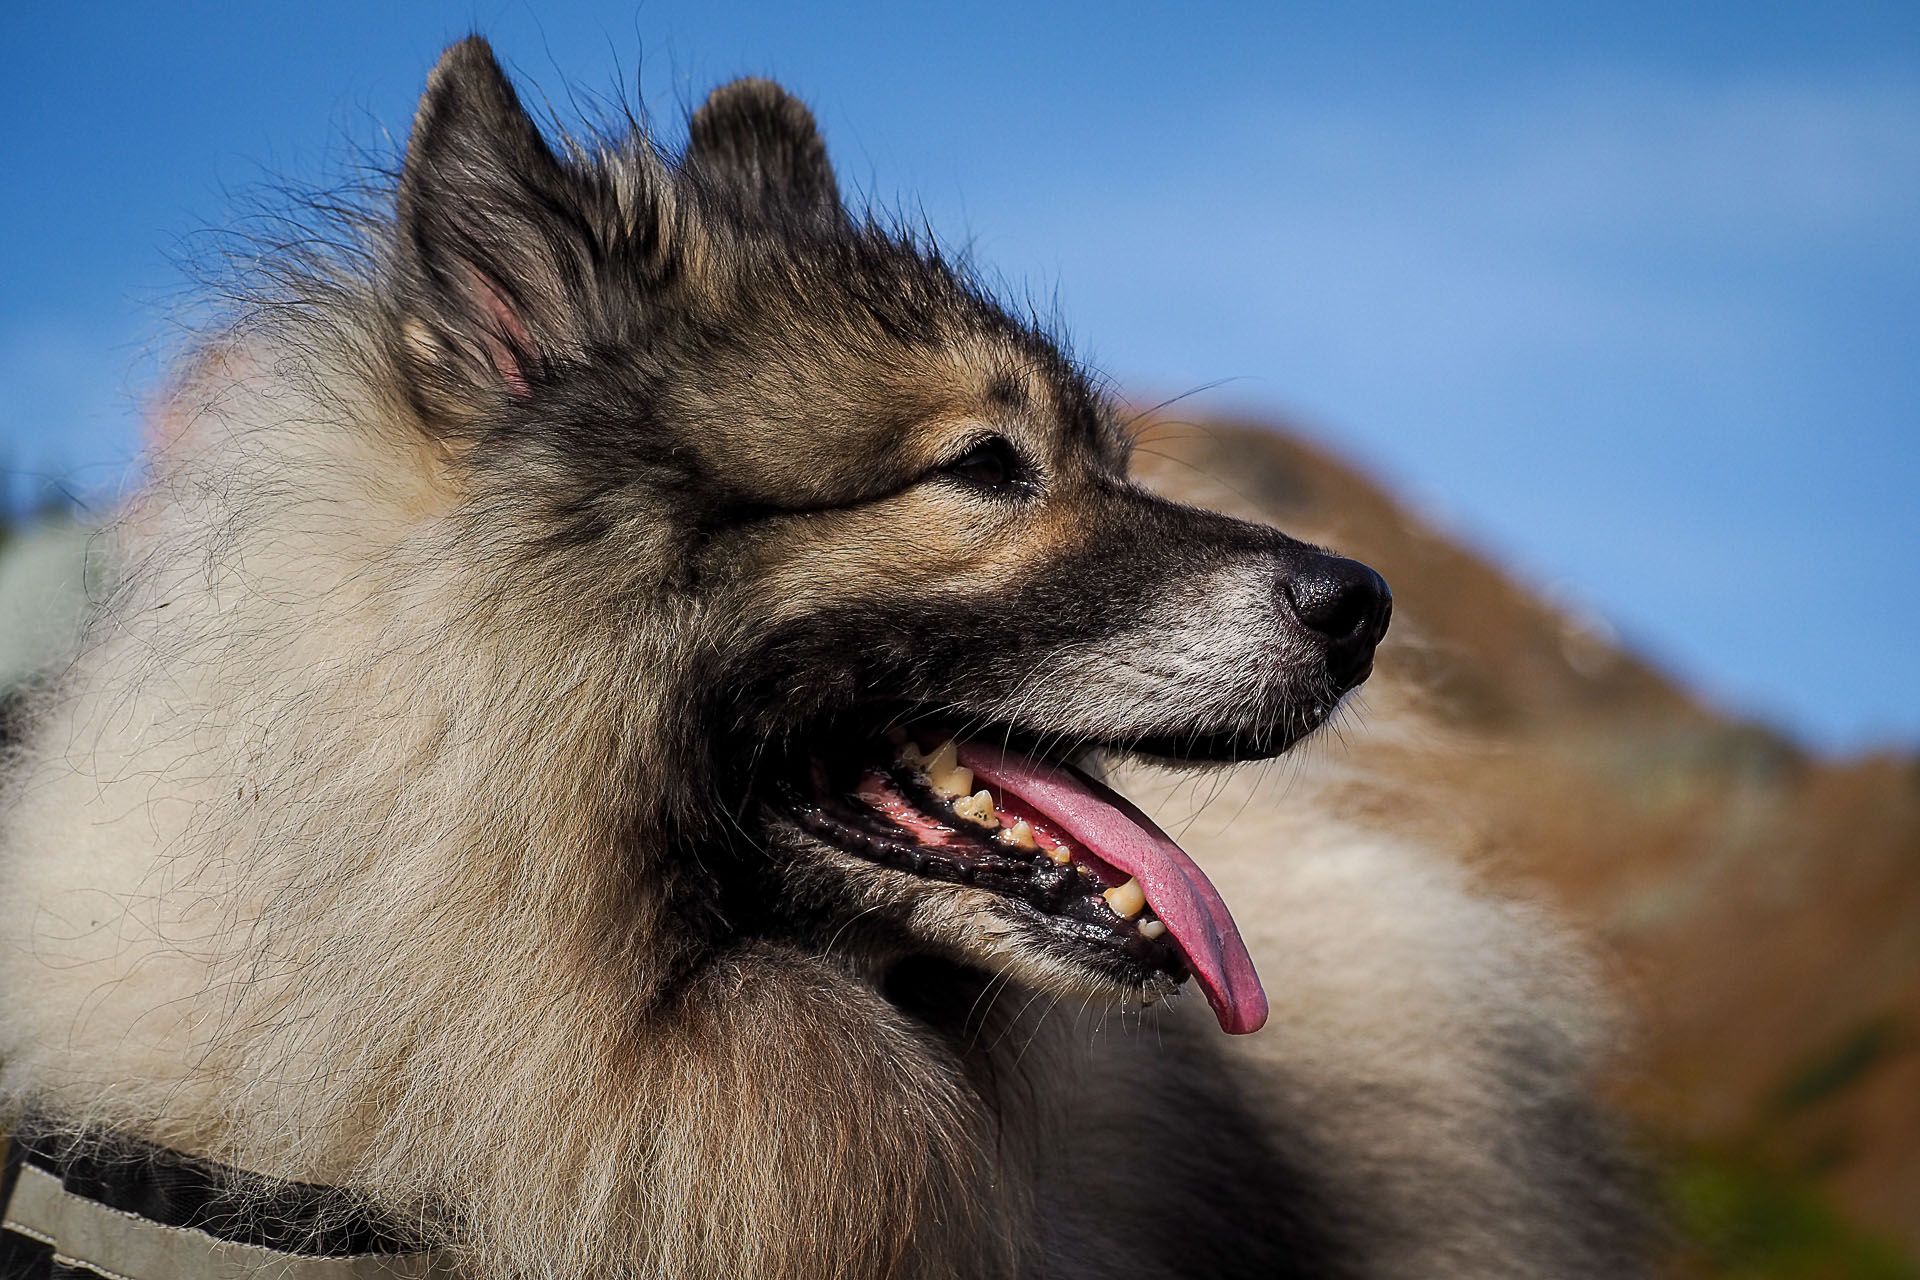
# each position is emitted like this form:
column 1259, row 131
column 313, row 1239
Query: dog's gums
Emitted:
column 1045, row 835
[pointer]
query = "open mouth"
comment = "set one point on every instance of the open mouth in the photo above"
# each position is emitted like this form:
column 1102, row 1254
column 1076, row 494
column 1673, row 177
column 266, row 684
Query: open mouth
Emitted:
column 1110, row 883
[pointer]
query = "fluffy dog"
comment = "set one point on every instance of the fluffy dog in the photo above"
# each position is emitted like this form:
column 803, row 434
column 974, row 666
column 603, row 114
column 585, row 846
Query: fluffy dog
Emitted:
column 597, row 752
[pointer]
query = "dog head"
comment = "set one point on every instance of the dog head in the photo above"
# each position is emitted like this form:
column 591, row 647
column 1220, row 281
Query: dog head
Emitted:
column 867, row 539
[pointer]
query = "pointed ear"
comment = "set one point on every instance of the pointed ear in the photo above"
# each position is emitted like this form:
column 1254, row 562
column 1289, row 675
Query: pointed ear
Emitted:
column 495, row 247
column 755, row 145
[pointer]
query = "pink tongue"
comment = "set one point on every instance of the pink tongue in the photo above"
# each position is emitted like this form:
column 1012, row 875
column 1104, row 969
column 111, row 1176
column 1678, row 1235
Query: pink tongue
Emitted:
column 1179, row 892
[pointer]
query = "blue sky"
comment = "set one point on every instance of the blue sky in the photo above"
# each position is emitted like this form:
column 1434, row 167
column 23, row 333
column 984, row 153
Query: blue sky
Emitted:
column 1627, row 294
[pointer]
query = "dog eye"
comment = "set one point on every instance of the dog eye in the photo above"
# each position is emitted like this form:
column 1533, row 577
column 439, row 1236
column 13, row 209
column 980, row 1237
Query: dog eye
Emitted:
column 989, row 464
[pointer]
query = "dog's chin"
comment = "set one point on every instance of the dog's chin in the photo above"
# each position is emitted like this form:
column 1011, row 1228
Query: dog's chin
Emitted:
column 988, row 851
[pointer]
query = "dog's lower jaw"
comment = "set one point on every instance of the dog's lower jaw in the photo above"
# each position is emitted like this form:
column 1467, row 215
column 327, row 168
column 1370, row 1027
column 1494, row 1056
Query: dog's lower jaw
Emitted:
column 862, row 911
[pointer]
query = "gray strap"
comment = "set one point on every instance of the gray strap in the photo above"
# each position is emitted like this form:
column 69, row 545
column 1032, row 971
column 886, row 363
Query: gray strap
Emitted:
column 125, row 1246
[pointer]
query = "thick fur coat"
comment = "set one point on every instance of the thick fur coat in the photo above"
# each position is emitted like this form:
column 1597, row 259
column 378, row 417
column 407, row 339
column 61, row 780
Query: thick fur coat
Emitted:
column 401, row 825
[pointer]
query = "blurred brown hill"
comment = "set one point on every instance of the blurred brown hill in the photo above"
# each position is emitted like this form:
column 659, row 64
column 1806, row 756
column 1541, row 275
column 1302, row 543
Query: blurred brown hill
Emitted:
column 1759, row 908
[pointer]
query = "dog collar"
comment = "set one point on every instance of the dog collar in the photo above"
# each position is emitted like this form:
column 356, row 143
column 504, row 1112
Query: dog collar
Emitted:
column 104, row 1205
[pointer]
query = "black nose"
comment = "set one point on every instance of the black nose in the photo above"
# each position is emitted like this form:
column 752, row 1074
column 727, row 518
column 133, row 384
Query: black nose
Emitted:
column 1348, row 605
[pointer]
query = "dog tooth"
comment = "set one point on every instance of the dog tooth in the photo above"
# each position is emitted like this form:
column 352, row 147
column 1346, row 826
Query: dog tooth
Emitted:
column 945, row 774
column 1152, row 928
column 978, row 808
column 1127, row 900
column 954, row 784
column 1062, row 857
column 1020, row 835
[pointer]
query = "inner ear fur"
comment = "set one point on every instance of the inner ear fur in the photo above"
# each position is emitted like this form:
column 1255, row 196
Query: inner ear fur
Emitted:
column 756, row 149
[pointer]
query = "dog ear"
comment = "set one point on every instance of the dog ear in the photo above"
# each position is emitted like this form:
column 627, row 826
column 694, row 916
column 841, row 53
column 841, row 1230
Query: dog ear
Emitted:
column 496, row 248
column 755, row 145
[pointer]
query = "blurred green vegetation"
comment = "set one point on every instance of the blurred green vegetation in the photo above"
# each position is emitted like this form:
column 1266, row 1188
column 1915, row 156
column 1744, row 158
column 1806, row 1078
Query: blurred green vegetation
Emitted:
column 1738, row 1219
column 1758, row 1212
column 1840, row 1068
